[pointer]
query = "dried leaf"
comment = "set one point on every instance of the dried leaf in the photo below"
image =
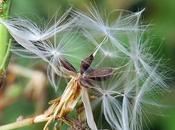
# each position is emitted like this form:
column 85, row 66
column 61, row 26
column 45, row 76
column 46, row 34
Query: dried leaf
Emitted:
column 67, row 65
column 100, row 74
column 86, row 63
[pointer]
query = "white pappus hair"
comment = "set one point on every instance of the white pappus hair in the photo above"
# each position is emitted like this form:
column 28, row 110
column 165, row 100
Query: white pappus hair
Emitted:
column 123, row 96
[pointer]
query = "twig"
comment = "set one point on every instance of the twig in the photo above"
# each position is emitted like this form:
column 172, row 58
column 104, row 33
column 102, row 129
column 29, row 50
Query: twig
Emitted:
column 25, row 122
column 33, row 120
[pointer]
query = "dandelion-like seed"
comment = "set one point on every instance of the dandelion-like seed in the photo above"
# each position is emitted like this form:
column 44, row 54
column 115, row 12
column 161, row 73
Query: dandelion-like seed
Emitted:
column 121, row 79
column 76, row 89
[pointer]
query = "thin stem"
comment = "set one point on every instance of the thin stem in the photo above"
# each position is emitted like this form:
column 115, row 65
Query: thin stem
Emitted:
column 22, row 123
column 3, row 65
column 31, row 121
column 5, row 41
column 19, row 124
column 46, row 117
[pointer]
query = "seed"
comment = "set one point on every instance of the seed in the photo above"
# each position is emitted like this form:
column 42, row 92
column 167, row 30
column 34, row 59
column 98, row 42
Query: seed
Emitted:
column 85, row 64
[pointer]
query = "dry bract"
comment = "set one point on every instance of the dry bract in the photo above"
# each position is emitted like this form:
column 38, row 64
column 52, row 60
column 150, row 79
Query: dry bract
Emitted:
column 63, row 105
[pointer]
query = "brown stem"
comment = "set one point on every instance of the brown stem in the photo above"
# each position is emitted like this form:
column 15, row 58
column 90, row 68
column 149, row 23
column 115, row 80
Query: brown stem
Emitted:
column 25, row 122
column 18, row 124
column 34, row 120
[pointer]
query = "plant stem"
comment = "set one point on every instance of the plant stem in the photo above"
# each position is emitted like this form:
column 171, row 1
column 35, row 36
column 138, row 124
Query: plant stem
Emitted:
column 33, row 120
column 17, row 124
column 25, row 122
column 5, row 41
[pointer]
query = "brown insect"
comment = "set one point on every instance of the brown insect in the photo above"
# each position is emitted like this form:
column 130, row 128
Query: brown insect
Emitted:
column 79, row 81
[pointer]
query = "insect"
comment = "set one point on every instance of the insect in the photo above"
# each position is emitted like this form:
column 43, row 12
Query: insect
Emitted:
column 79, row 82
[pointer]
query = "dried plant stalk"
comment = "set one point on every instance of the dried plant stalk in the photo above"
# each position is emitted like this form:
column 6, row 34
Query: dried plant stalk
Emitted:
column 27, row 122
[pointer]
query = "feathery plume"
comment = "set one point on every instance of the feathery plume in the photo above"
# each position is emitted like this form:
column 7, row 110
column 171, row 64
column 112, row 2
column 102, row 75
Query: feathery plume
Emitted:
column 122, row 89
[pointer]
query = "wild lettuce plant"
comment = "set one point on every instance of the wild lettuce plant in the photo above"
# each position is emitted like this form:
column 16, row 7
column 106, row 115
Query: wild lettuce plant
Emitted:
column 105, row 60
